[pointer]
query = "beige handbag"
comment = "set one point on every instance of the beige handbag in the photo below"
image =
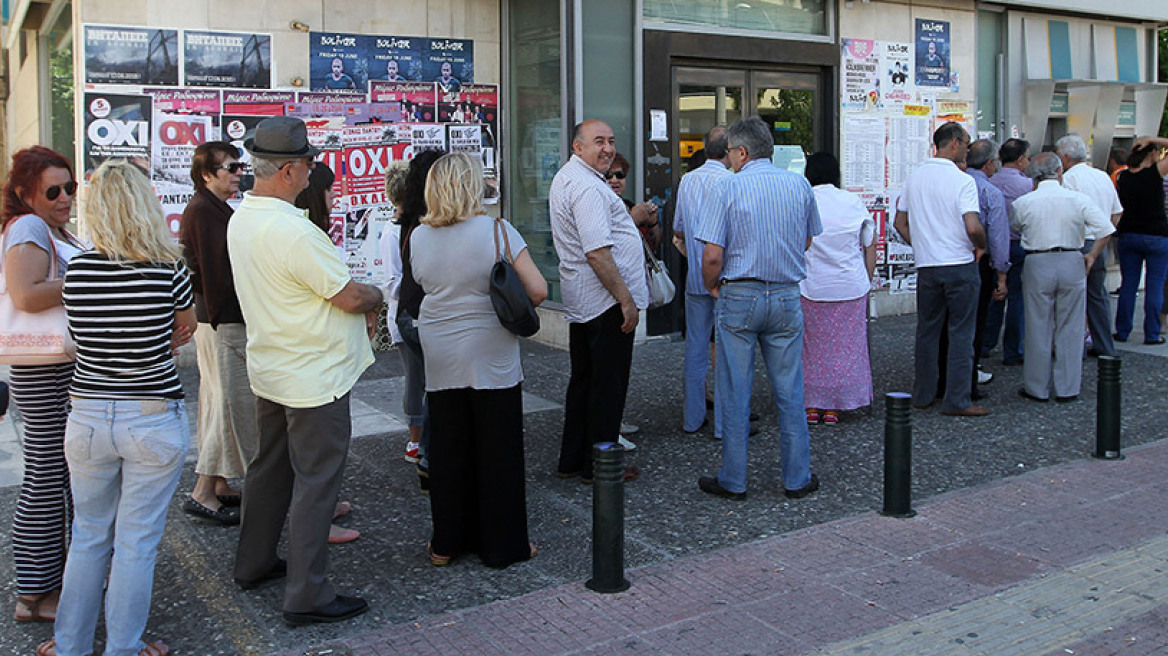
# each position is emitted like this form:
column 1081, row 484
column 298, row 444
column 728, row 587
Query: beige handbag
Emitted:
column 33, row 337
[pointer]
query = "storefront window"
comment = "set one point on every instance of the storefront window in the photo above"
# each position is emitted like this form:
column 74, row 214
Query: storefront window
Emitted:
column 778, row 16
column 535, row 125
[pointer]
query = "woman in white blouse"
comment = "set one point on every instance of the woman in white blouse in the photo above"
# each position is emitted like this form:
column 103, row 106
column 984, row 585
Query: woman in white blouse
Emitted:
column 837, row 374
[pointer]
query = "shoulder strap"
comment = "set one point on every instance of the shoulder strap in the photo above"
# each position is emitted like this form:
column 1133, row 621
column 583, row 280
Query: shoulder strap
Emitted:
column 506, row 255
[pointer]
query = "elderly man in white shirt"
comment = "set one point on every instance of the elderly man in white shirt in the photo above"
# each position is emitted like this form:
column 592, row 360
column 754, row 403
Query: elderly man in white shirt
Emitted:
column 1080, row 176
column 1053, row 223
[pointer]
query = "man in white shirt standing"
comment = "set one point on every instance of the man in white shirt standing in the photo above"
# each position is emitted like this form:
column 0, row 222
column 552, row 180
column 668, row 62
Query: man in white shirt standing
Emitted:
column 938, row 216
column 602, row 279
column 699, row 305
column 1053, row 223
column 1080, row 176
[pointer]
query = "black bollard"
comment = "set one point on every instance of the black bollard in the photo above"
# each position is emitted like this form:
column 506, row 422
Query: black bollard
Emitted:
column 1107, row 410
column 608, row 518
column 898, row 456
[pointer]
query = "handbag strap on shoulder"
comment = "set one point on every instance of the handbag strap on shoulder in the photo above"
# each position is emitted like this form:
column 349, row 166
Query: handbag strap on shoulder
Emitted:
column 506, row 254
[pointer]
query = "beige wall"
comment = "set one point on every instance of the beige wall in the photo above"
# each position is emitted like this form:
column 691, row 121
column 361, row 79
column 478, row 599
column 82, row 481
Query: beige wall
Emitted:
column 23, row 106
column 462, row 19
column 892, row 20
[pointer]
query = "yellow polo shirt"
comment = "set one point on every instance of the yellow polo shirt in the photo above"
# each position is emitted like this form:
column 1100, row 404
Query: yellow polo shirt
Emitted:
column 302, row 351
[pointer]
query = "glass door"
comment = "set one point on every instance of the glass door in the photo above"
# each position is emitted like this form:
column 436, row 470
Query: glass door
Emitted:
column 789, row 102
column 704, row 97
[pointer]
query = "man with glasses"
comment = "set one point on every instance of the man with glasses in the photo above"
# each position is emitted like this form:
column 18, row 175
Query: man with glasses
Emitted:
column 937, row 214
column 1013, row 182
column 308, row 331
column 756, row 226
column 980, row 163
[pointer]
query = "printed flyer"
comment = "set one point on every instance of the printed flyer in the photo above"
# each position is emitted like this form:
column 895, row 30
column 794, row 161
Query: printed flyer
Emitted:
column 417, row 100
column 256, row 103
column 860, row 69
column 116, row 126
column 349, row 62
column 368, row 151
column 932, row 46
column 897, row 70
column 131, row 55
column 227, row 59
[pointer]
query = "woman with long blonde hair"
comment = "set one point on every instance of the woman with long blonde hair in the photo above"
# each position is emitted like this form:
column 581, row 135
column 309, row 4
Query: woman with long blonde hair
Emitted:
column 130, row 305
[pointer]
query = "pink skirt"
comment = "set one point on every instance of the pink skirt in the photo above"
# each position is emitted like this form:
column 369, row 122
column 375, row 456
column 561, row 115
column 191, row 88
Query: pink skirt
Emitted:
column 837, row 373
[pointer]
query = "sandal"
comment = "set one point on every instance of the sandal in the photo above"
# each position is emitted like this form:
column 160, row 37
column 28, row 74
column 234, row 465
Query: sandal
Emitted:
column 435, row 559
column 47, row 648
column 830, row 417
column 29, row 608
column 156, row 648
column 812, row 416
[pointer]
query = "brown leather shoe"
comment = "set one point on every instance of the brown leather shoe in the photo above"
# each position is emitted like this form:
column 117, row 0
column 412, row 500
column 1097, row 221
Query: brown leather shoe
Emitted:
column 971, row 411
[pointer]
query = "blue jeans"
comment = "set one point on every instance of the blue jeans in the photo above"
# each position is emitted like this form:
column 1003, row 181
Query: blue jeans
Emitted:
column 770, row 315
column 699, row 324
column 124, row 458
column 1013, row 308
column 1133, row 251
column 414, row 395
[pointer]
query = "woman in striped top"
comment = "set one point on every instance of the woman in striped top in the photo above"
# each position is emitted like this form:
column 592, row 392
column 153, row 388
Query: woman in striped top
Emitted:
column 37, row 201
column 129, row 304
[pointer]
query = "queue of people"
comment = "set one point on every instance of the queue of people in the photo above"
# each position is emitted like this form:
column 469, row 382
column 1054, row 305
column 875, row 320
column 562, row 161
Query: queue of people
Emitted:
column 776, row 260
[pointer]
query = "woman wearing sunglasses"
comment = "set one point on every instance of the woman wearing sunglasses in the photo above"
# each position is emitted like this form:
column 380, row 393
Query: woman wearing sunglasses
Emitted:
column 227, row 438
column 37, row 200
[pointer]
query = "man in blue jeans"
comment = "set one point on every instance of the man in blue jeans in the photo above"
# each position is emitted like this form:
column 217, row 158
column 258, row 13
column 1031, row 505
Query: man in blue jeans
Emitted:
column 757, row 225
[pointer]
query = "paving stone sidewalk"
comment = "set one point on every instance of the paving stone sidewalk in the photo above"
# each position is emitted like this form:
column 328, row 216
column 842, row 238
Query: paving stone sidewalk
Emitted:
column 1071, row 559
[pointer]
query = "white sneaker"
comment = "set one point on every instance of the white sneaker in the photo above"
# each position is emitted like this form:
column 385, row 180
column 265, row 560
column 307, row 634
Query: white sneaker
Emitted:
column 629, row 429
column 984, row 377
column 629, row 446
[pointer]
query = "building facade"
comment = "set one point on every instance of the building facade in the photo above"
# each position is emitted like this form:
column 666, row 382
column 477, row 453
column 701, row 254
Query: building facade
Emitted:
column 865, row 79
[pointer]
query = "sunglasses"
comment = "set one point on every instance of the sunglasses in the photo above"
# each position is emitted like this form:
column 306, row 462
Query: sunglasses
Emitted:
column 54, row 191
column 232, row 168
column 619, row 175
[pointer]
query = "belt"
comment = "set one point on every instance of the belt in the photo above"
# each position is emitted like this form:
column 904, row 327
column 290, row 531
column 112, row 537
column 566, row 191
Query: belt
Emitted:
column 728, row 280
column 1059, row 249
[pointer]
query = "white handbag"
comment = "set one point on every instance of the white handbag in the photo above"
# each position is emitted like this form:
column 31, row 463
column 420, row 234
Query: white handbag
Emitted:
column 661, row 287
column 33, row 337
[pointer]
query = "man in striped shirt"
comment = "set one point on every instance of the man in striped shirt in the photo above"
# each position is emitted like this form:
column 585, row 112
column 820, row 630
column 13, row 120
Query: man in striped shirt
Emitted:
column 757, row 225
column 602, row 279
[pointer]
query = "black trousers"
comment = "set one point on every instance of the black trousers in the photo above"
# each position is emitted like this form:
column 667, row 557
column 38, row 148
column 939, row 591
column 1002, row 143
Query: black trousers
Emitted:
column 601, row 357
column 478, row 494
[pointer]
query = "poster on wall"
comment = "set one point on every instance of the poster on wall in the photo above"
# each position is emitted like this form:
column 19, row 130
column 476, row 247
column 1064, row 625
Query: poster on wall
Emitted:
column 417, row 100
column 227, row 59
column 861, row 75
column 349, row 62
column 450, row 63
column 200, row 102
column 175, row 138
column 863, row 151
column 897, row 74
column 116, row 126
column 368, row 152
column 932, row 53
column 256, row 103
column 237, row 129
column 131, row 55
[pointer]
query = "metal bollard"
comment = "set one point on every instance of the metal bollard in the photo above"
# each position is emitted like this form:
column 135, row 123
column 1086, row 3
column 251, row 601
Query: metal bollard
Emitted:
column 1107, row 410
column 898, row 456
column 608, row 518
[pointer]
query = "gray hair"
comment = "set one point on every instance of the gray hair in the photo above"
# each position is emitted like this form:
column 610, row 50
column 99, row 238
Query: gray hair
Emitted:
column 264, row 167
column 716, row 143
column 1072, row 147
column 981, row 152
column 753, row 134
column 1045, row 166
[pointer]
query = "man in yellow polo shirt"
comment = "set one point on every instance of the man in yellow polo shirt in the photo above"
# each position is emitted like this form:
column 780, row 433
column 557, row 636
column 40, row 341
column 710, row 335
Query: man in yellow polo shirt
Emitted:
column 307, row 344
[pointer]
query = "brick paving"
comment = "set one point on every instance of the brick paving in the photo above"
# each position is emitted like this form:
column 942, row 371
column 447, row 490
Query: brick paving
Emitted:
column 1071, row 559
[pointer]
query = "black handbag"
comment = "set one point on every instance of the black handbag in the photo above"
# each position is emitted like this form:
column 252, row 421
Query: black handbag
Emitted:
column 510, row 300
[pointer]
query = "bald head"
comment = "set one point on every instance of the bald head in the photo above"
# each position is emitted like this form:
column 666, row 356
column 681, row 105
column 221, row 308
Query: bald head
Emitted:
column 983, row 155
column 717, row 144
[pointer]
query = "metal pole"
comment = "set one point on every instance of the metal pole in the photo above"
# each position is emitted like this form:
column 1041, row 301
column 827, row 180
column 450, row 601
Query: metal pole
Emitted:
column 608, row 518
column 898, row 456
column 1107, row 410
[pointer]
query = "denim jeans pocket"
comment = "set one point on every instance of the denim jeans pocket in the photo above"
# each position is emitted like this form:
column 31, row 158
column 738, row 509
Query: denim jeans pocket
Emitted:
column 78, row 441
column 160, row 439
column 736, row 311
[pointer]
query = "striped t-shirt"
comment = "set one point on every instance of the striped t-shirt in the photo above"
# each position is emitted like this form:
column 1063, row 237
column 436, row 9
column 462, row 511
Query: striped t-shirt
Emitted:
column 121, row 315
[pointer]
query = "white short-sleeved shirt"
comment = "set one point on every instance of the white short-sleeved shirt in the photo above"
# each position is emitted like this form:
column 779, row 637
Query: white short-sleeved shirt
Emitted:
column 1098, row 186
column 936, row 195
column 1052, row 216
column 835, row 262
column 586, row 215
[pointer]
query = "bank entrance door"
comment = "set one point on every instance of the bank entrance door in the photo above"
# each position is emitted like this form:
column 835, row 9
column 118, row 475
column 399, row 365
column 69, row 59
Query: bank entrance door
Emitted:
column 790, row 101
